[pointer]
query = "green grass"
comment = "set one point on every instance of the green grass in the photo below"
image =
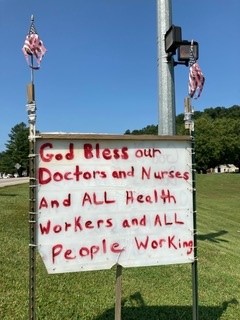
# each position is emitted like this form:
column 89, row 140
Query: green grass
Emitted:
column 154, row 293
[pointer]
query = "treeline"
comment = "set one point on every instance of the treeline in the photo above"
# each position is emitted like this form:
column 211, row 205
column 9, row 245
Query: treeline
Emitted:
column 14, row 160
column 217, row 136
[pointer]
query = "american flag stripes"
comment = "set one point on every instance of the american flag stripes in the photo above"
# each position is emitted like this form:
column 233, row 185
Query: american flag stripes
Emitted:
column 33, row 46
column 196, row 78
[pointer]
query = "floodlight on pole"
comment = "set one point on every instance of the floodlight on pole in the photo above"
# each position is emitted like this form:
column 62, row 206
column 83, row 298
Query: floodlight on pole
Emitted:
column 173, row 42
column 173, row 38
column 184, row 50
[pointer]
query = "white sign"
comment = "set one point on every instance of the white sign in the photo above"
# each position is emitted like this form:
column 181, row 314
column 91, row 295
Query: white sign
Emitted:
column 107, row 201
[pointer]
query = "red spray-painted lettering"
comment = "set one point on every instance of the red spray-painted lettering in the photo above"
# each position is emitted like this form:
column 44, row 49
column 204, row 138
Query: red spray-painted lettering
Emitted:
column 98, row 200
column 163, row 196
column 76, row 225
column 47, row 157
column 45, row 175
column 91, row 151
column 85, row 251
column 170, row 242
column 147, row 173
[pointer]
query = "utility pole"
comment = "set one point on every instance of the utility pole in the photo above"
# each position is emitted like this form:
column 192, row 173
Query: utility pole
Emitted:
column 166, row 89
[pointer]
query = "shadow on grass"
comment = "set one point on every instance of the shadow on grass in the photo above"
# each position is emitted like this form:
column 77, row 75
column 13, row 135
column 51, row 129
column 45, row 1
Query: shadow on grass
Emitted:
column 8, row 194
column 213, row 236
column 139, row 311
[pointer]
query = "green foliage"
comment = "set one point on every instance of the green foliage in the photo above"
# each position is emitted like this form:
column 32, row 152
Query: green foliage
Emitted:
column 3, row 162
column 152, row 293
column 221, row 112
column 204, row 145
column 217, row 141
column 17, row 150
column 217, row 136
column 150, row 129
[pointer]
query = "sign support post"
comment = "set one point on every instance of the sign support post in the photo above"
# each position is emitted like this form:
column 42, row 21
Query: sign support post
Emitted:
column 33, row 49
column 118, row 292
column 194, row 264
column 31, row 109
column 189, row 124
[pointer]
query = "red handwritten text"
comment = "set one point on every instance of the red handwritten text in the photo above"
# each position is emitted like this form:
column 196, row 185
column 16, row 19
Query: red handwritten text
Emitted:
column 44, row 203
column 85, row 251
column 170, row 242
column 45, row 175
column 76, row 225
column 93, row 199
column 91, row 151
column 147, row 153
column 148, row 174
column 47, row 157
column 165, row 220
column 163, row 196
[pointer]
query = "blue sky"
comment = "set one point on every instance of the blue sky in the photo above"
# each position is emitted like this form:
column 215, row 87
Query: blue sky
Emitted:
column 100, row 71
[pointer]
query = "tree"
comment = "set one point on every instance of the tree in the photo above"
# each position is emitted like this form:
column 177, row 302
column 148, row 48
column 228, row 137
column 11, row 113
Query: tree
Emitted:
column 3, row 163
column 217, row 136
column 228, row 139
column 150, row 129
column 206, row 146
column 17, row 151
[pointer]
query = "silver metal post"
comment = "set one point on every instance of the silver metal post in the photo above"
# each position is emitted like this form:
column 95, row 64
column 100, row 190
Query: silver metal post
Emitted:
column 167, row 112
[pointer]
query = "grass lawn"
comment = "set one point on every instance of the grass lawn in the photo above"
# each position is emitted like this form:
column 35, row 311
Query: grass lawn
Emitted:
column 153, row 293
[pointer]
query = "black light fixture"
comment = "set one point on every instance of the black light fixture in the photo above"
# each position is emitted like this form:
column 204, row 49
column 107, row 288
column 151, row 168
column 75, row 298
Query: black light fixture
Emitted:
column 173, row 38
column 173, row 41
column 184, row 50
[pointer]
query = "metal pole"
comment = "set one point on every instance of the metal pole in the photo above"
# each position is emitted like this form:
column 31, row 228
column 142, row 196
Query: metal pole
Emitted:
column 194, row 264
column 31, row 109
column 189, row 124
column 166, row 89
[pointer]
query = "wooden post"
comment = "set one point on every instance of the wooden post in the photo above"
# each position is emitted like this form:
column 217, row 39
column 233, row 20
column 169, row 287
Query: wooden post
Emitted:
column 118, row 292
column 188, row 113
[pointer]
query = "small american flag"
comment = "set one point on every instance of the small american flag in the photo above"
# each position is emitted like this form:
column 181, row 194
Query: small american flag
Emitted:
column 196, row 78
column 33, row 45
